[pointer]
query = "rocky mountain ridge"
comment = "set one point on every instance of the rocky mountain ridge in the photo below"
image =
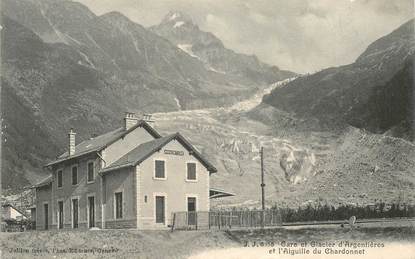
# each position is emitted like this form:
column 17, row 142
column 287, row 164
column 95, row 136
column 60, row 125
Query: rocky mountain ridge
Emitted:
column 355, row 94
column 179, row 28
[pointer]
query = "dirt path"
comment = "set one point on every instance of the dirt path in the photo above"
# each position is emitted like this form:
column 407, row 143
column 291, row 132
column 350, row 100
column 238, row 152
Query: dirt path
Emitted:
column 110, row 244
column 238, row 244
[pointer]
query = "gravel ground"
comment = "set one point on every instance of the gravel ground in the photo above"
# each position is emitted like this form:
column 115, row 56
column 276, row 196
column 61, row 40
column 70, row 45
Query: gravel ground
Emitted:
column 185, row 244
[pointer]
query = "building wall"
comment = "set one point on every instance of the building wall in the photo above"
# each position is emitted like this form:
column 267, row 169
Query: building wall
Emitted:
column 81, row 191
column 6, row 212
column 126, row 144
column 43, row 195
column 122, row 180
column 176, row 188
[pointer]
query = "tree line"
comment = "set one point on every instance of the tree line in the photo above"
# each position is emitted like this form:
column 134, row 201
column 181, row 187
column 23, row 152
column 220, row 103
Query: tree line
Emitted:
column 345, row 211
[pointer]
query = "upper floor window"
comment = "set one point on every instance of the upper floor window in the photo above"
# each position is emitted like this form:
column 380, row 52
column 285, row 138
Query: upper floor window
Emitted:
column 74, row 175
column 191, row 171
column 118, row 205
column 90, row 177
column 160, row 169
column 59, row 176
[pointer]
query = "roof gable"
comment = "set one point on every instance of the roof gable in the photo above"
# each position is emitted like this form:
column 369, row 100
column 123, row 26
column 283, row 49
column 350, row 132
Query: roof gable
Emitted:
column 145, row 150
column 102, row 141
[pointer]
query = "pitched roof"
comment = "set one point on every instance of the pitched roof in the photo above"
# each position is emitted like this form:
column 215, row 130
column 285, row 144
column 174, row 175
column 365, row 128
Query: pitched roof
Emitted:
column 143, row 151
column 44, row 182
column 100, row 142
column 219, row 193
column 15, row 208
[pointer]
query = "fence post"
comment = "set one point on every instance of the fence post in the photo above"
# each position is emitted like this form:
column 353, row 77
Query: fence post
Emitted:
column 250, row 218
column 241, row 219
column 174, row 219
column 230, row 220
column 196, row 219
column 219, row 219
column 209, row 219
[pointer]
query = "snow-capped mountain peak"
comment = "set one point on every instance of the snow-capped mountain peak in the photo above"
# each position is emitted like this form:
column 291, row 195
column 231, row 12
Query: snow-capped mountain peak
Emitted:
column 177, row 19
column 174, row 16
column 178, row 24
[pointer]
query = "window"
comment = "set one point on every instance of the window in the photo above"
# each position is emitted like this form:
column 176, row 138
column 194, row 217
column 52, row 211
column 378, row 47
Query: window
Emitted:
column 90, row 172
column 59, row 176
column 75, row 213
column 191, row 171
column 160, row 171
column 160, row 209
column 46, row 215
column 118, row 205
column 191, row 211
column 74, row 175
column 91, row 211
column 60, row 214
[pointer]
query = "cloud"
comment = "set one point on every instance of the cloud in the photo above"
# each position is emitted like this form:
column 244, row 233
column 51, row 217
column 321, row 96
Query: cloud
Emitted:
column 299, row 35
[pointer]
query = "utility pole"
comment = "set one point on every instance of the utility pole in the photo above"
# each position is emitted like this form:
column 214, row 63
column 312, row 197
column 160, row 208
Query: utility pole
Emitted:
column 262, row 187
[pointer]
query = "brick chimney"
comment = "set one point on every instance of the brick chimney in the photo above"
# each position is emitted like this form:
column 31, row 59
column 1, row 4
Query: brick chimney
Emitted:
column 129, row 120
column 147, row 118
column 71, row 136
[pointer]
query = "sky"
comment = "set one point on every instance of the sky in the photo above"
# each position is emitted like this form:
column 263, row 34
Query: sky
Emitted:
column 297, row 35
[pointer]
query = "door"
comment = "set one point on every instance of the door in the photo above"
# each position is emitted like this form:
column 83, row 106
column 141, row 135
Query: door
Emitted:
column 75, row 213
column 60, row 214
column 46, row 214
column 160, row 206
column 91, row 209
column 191, row 210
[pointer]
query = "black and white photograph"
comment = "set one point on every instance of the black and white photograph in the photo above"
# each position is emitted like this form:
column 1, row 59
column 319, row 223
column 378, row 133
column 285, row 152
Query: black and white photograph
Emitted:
column 234, row 129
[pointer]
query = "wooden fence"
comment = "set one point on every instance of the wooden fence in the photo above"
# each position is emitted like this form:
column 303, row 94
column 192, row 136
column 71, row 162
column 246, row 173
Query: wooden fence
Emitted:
column 225, row 219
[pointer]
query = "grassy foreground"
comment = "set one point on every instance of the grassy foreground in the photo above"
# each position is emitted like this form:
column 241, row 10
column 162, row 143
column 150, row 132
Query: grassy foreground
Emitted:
column 179, row 244
column 110, row 244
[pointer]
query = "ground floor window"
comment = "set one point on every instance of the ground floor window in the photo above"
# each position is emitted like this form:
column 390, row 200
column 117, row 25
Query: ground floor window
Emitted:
column 91, row 211
column 118, row 205
column 191, row 210
column 60, row 214
column 160, row 209
column 46, row 215
column 75, row 213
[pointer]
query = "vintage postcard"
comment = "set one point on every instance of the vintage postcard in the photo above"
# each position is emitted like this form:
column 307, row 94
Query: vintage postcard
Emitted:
column 207, row 129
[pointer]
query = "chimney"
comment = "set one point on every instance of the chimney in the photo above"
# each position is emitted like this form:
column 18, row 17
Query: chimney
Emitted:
column 147, row 118
column 129, row 120
column 71, row 135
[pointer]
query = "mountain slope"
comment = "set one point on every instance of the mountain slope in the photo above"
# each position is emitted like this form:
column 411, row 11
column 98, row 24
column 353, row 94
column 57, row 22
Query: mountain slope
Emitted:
column 180, row 30
column 349, row 167
column 25, row 142
column 341, row 95
column 132, row 55
column 71, row 68
column 391, row 106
